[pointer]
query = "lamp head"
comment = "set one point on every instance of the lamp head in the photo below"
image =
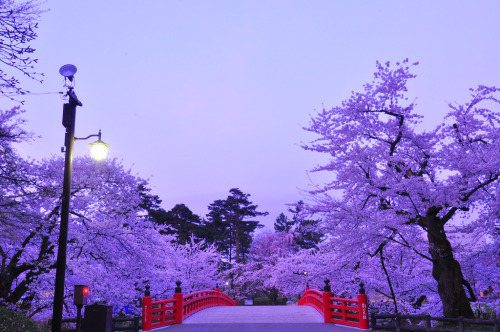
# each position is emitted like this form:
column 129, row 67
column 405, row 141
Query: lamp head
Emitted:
column 68, row 71
column 99, row 149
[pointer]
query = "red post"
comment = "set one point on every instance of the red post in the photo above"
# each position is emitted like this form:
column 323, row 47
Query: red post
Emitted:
column 146, row 312
column 363, row 312
column 217, row 292
column 327, row 312
column 179, row 308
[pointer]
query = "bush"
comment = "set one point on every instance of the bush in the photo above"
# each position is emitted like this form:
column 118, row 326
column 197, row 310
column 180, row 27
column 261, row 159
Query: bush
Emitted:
column 11, row 321
column 267, row 301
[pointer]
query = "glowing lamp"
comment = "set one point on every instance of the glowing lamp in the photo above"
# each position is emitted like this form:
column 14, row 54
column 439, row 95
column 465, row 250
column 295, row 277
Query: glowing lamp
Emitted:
column 81, row 295
column 99, row 150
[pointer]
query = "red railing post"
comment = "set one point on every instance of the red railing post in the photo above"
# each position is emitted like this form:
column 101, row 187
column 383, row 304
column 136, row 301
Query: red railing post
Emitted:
column 217, row 293
column 179, row 304
column 363, row 308
column 327, row 294
column 146, row 310
column 327, row 313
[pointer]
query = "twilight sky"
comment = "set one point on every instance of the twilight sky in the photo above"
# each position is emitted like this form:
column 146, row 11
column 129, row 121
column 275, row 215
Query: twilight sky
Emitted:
column 204, row 96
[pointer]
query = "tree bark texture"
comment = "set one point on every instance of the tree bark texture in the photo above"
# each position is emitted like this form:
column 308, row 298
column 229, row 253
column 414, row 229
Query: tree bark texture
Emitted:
column 446, row 270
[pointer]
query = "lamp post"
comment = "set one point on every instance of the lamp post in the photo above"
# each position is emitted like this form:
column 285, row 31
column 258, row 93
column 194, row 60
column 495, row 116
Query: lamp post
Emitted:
column 69, row 114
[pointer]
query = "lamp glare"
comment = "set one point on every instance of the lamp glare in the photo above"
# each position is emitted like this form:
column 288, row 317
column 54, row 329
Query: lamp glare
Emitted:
column 99, row 150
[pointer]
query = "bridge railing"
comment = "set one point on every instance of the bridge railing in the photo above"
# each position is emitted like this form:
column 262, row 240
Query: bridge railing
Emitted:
column 312, row 297
column 338, row 310
column 174, row 311
column 197, row 301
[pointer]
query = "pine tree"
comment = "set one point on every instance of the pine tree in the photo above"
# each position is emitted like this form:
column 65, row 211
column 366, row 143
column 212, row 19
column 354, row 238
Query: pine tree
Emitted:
column 283, row 224
column 228, row 226
column 306, row 233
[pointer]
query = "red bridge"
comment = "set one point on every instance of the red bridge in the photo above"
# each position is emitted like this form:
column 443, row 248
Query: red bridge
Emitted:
column 337, row 310
column 314, row 307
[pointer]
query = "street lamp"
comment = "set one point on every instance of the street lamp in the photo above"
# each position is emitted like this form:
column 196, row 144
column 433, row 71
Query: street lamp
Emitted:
column 69, row 115
column 98, row 149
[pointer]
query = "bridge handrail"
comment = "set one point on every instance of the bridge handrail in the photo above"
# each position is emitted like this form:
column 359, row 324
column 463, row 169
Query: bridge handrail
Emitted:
column 166, row 308
column 200, row 300
column 352, row 312
column 174, row 311
column 312, row 297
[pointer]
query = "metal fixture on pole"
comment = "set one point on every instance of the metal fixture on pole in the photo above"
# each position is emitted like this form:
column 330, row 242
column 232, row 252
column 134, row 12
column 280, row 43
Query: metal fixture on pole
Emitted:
column 80, row 299
column 69, row 115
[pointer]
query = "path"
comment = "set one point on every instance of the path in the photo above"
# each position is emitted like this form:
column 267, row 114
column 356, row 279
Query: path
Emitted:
column 256, row 319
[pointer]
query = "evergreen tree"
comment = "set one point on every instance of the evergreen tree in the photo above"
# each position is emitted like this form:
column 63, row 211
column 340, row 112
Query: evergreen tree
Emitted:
column 283, row 224
column 150, row 203
column 183, row 223
column 180, row 220
column 306, row 233
column 308, row 236
column 228, row 226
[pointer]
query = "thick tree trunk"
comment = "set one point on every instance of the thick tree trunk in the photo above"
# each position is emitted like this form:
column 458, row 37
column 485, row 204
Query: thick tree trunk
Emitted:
column 447, row 271
column 5, row 285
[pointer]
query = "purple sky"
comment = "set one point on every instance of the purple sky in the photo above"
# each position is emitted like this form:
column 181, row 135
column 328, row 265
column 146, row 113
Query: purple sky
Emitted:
column 204, row 96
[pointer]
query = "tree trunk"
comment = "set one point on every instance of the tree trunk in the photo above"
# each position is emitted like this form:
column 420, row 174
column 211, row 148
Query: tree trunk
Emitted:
column 237, row 236
column 273, row 296
column 5, row 284
column 446, row 271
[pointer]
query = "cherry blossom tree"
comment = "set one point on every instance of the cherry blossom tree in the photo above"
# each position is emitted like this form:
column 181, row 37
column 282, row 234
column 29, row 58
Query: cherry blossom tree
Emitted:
column 393, row 183
column 15, row 215
column 18, row 24
column 112, row 247
column 258, row 275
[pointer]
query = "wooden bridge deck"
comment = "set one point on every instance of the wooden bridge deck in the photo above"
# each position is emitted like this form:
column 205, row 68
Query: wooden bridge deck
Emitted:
column 257, row 314
column 256, row 319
